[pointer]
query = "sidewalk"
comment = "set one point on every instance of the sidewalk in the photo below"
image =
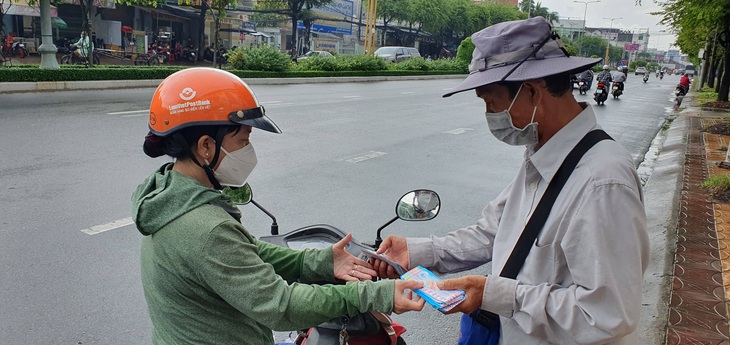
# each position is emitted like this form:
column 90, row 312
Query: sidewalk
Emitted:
column 687, row 286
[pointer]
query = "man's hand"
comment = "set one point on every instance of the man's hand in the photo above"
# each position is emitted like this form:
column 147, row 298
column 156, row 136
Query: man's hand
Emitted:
column 395, row 248
column 474, row 288
column 348, row 267
column 406, row 301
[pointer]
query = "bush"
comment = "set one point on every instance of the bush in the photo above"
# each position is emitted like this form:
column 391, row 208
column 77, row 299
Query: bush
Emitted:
column 455, row 65
column 465, row 50
column 342, row 63
column 318, row 63
column 259, row 59
column 412, row 64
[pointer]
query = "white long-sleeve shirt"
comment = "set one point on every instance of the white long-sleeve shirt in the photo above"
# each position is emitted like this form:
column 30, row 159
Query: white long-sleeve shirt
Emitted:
column 582, row 281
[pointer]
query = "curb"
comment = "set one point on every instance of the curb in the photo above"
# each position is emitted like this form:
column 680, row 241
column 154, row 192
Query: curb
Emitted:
column 662, row 196
column 45, row 86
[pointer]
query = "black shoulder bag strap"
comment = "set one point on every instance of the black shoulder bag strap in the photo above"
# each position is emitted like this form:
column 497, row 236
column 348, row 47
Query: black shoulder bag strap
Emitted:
column 539, row 216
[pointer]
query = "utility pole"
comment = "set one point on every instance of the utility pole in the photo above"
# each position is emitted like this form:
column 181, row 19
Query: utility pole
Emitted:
column 585, row 11
column 370, row 27
column 610, row 32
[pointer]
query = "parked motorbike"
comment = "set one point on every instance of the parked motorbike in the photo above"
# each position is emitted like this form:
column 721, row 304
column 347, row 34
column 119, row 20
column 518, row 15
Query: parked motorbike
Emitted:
column 601, row 93
column 616, row 90
column 582, row 86
column 646, row 77
column 10, row 47
column 372, row 328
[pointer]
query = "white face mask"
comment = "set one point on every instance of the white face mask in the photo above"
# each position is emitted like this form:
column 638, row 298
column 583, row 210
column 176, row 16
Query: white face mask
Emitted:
column 500, row 124
column 236, row 166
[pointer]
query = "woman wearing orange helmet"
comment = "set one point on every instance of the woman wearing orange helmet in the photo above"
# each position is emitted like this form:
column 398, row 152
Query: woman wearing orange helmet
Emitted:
column 206, row 279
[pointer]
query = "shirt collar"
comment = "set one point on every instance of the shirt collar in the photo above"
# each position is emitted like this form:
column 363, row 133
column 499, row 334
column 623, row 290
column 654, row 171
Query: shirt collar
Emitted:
column 548, row 158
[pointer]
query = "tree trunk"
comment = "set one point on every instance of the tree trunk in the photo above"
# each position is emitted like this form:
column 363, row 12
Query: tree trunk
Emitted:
column 706, row 65
column 385, row 29
column 713, row 68
column 720, row 70
column 293, row 42
column 201, row 33
column 722, row 93
column 86, row 26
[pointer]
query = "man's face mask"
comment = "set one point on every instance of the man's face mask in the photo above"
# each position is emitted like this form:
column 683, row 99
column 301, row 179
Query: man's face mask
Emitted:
column 236, row 166
column 500, row 124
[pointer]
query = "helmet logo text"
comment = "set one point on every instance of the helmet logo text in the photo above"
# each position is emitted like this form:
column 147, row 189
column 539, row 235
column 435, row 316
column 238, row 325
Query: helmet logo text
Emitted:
column 187, row 94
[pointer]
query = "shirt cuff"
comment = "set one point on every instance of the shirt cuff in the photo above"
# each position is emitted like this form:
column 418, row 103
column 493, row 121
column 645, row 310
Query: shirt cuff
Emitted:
column 420, row 252
column 499, row 295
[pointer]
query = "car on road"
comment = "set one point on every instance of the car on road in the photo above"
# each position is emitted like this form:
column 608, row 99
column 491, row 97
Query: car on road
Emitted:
column 322, row 53
column 640, row 70
column 396, row 54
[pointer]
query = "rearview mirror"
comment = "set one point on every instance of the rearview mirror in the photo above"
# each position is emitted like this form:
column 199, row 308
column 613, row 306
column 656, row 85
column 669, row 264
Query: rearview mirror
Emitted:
column 240, row 195
column 418, row 205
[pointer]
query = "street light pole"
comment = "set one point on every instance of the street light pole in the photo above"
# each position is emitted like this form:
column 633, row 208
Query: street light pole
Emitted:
column 585, row 11
column 605, row 61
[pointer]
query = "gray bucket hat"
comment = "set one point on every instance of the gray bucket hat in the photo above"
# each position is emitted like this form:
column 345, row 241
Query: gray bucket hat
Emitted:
column 517, row 51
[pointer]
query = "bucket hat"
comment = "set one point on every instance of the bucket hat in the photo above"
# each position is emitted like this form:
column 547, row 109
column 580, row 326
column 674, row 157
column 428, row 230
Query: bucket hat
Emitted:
column 517, row 51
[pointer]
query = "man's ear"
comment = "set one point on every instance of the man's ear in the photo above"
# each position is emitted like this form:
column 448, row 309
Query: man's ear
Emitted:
column 536, row 89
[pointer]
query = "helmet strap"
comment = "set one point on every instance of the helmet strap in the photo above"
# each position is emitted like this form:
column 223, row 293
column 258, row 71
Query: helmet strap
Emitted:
column 208, row 168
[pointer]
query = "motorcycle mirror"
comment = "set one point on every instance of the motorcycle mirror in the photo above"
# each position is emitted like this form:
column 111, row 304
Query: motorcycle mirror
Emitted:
column 244, row 195
column 240, row 195
column 418, row 205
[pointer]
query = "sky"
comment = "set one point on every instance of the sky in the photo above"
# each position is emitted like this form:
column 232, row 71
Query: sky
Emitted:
column 633, row 17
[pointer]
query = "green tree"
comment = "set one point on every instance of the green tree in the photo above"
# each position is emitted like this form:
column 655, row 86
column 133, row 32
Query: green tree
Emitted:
column 390, row 10
column 698, row 20
column 591, row 45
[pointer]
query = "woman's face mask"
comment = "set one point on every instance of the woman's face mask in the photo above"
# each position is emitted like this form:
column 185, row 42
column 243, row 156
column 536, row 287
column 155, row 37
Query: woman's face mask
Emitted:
column 500, row 124
column 236, row 166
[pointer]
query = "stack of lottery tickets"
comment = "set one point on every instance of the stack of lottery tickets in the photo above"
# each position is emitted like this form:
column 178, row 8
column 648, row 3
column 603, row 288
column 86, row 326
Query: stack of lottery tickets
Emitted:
column 443, row 300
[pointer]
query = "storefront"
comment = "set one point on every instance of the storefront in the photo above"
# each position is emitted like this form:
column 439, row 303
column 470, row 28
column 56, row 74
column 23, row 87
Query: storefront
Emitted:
column 22, row 22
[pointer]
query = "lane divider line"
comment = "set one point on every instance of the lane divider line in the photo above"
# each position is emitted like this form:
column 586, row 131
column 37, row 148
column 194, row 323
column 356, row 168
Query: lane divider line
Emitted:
column 108, row 226
column 129, row 112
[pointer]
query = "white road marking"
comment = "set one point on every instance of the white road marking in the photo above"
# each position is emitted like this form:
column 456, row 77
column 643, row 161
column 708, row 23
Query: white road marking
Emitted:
column 352, row 97
column 108, row 226
column 129, row 112
column 271, row 102
column 407, row 93
column 459, row 131
column 145, row 114
column 369, row 155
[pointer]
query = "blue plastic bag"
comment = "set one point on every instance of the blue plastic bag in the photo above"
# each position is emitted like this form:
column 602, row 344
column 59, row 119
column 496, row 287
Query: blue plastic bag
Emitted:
column 473, row 333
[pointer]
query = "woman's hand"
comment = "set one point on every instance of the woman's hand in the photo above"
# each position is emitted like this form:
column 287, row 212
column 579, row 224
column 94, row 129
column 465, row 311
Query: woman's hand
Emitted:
column 348, row 267
column 396, row 249
column 403, row 300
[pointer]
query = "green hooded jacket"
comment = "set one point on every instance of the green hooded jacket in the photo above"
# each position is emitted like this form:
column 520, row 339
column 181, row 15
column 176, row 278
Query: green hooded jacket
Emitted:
column 208, row 281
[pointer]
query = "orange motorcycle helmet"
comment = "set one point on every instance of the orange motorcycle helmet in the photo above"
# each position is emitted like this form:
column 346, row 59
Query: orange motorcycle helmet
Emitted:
column 203, row 96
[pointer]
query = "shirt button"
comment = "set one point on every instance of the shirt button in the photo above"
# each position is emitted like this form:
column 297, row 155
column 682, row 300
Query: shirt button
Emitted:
column 533, row 185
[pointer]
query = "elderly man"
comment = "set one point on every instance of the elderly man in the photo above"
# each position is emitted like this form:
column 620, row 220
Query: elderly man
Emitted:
column 580, row 276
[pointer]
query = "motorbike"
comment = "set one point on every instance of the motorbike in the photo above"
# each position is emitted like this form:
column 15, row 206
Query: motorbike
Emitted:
column 582, row 87
column 12, row 48
column 187, row 54
column 616, row 90
column 366, row 328
column 71, row 59
column 646, row 77
column 661, row 76
column 601, row 93
column 679, row 94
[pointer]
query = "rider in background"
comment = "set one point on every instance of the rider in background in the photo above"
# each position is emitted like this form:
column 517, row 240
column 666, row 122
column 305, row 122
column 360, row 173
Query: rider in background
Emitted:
column 619, row 79
column 684, row 81
column 83, row 46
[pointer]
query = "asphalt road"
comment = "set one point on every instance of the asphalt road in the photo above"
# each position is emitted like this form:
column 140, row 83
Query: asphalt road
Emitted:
column 348, row 152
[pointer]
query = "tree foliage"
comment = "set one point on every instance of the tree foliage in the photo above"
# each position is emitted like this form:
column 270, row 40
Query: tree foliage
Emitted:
column 694, row 21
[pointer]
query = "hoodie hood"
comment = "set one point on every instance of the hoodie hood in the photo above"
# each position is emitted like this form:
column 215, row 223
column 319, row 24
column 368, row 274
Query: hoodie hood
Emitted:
column 167, row 195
